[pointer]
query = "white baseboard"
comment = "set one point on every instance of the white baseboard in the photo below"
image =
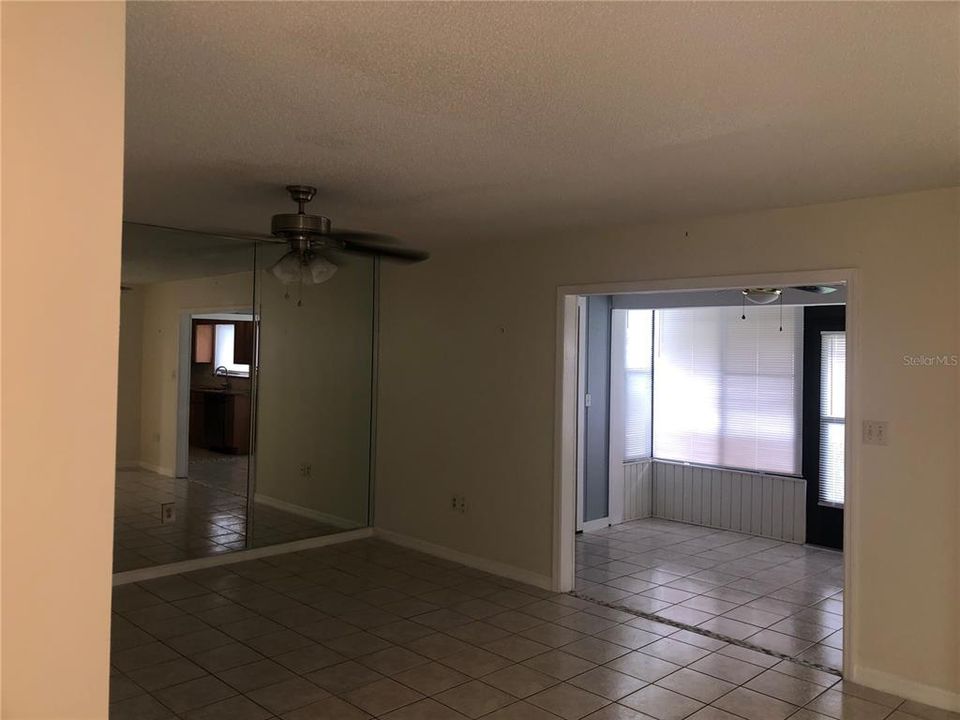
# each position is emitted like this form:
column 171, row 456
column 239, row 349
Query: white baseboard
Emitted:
column 306, row 512
column 159, row 469
column 478, row 563
column 150, row 573
column 598, row 524
column 907, row 689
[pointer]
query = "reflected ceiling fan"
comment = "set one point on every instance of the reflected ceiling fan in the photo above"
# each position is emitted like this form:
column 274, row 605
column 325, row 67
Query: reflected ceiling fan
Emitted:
column 308, row 236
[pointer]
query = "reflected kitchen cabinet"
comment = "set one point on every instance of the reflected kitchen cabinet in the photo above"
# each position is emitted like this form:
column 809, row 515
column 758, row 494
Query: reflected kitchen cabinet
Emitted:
column 243, row 338
column 202, row 342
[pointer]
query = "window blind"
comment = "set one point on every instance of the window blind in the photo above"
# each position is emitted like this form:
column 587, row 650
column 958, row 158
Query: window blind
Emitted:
column 833, row 362
column 638, row 390
column 727, row 390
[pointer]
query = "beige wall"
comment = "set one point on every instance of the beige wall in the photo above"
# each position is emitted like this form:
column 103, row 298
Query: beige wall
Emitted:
column 314, row 394
column 62, row 162
column 163, row 305
column 467, row 397
column 128, row 378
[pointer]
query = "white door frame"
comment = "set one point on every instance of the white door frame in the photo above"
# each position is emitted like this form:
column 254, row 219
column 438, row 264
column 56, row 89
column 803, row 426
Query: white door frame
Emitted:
column 565, row 420
column 615, row 441
column 581, row 405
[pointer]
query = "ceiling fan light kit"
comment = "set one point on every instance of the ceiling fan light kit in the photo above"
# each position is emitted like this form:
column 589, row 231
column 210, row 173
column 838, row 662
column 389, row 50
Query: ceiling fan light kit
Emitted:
column 307, row 236
column 762, row 296
column 308, row 269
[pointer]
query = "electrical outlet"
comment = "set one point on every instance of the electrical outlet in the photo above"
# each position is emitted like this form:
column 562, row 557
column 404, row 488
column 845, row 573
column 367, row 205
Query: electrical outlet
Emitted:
column 454, row 501
column 306, row 469
column 462, row 506
column 168, row 513
column 875, row 432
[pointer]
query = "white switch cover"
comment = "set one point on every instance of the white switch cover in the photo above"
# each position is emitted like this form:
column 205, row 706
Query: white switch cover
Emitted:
column 587, row 400
column 875, row 432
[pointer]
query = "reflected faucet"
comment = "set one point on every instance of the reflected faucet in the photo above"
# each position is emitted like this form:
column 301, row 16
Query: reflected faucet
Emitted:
column 221, row 371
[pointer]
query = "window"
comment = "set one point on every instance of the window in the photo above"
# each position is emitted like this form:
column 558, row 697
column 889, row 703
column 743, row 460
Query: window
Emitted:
column 833, row 365
column 638, row 385
column 225, row 336
column 727, row 390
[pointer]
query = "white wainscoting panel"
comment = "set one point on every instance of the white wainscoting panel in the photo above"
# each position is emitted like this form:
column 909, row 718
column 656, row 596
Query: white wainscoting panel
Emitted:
column 637, row 490
column 769, row 505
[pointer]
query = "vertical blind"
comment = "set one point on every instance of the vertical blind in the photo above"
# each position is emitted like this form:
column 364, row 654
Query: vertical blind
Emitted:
column 726, row 390
column 638, row 385
column 833, row 363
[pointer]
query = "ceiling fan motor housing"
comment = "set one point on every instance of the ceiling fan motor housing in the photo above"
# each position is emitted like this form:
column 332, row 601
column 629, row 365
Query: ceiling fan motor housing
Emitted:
column 299, row 226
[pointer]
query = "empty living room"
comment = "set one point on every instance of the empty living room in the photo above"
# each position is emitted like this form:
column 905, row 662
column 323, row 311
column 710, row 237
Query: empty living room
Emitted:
column 479, row 360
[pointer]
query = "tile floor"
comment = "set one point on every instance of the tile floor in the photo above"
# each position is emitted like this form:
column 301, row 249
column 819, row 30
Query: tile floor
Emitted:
column 211, row 516
column 368, row 629
column 780, row 596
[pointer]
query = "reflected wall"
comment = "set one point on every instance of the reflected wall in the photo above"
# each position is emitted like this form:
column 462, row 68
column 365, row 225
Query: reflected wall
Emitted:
column 214, row 454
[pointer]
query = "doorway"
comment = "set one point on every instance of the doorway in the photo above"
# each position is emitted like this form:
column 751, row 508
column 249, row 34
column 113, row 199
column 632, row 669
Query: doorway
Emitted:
column 220, row 417
column 603, row 556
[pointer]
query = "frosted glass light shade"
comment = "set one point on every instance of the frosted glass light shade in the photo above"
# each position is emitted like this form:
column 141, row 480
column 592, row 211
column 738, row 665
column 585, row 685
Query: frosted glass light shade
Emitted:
column 289, row 270
column 321, row 270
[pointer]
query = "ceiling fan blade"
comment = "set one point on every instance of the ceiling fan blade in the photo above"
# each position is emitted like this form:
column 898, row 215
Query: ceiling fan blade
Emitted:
column 225, row 234
column 362, row 236
column 391, row 252
column 816, row 289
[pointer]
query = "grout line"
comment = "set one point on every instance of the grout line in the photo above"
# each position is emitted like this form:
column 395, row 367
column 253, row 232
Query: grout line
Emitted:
column 706, row 633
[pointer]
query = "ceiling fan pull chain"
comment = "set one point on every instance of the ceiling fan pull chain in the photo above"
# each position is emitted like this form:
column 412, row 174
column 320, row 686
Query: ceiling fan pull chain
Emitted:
column 743, row 306
column 781, row 312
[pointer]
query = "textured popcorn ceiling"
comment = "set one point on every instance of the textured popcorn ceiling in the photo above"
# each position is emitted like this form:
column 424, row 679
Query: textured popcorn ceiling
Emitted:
column 446, row 123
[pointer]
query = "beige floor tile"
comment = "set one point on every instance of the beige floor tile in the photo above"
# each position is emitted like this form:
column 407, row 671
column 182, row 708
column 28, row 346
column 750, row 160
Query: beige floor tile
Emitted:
column 615, row 711
column 382, row 696
column 607, row 683
column 393, row 660
column 516, row 648
column 431, row 678
column 330, row 708
column 754, row 706
column 925, row 712
column 519, row 680
column 474, row 699
column 559, row 664
column 595, row 650
column 847, row 707
column 643, row 666
column 661, row 703
column 425, row 710
column 674, row 651
column 784, row 687
column 521, row 710
column 568, row 701
column 712, row 713
column 475, row 662
column 697, row 685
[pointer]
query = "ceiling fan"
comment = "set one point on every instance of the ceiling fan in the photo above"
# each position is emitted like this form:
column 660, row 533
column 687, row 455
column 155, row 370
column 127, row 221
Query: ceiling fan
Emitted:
column 308, row 236
column 765, row 296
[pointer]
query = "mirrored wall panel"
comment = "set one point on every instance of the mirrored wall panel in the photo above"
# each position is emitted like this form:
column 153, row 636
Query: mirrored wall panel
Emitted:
column 244, row 397
column 314, row 394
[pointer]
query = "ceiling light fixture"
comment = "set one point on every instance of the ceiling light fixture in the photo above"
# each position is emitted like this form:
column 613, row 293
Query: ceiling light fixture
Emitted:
column 762, row 296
